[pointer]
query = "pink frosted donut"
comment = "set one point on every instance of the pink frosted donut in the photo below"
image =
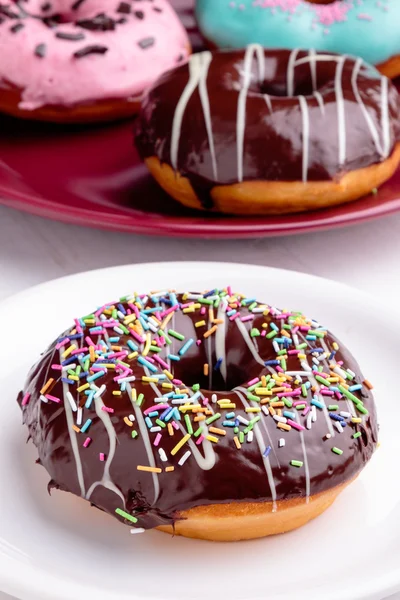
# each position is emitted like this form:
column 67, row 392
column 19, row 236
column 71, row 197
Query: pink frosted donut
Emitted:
column 84, row 60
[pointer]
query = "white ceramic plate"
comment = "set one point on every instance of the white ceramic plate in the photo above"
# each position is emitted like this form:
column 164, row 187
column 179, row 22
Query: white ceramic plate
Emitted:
column 58, row 548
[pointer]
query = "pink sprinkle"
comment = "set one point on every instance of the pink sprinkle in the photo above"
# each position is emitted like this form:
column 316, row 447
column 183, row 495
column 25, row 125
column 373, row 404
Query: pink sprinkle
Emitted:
column 295, row 425
column 235, row 316
column 62, row 343
column 229, row 290
column 338, row 395
column 280, row 369
column 78, row 326
column 56, row 367
column 306, row 411
column 175, row 425
column 79, row 351
column 263, row 333
column 293, row 352
column 203, row 310
column 89, row 341
column 187, row 305
column 177, row 381
column 150, row 359
column 296, row 392
column 295, row 329
column 157, row 439
column 253, row 381
column 248, row 318
column 205, row 401
column 52, row 398
column 324, row 375
column 136, row 336
column 107, row 409
column 161, row 362
column 298, row 402
column 326, row 392
column 169, row 310
column 201, row 438
column 25, row 399
column 305, row 328
column 155, row 407
column 87, row 442
column 102, row 456
column 198, row 343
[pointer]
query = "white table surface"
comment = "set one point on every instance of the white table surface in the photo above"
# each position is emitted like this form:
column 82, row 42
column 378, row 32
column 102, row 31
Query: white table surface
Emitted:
column 34, row 250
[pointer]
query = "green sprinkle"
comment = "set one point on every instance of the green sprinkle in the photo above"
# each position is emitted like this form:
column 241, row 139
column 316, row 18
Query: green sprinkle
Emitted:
column 204, row 300
column 155, row 349
column 357, row 435
column 283, row 364
column 319, row 334
column 286, row 326
column 114, row 313
column 124, row 329
column 300, row 406
column 361, row 408
column 253, row 398
column 254, row 386
column 188, row 424
column 337, row 450
column 304, row 390
column 213, row 418
column 301, row 346
column 322, row 380
column 86, row 365
column 271, row 384
column 281, row 352
column 253, row 305
column 134, row 433
column 349, row 395
column 162, row 334
column 271, row 334
column 374, row 191
column 160, row 423
column 176, row 335
column 255, row 332
column 140, row 399
column 333, row 406
column 196, row 387
column 241, row 437
column 198, row 432
column 288, row 402
column 236, row 430
column 296, row 463
column 125, row 515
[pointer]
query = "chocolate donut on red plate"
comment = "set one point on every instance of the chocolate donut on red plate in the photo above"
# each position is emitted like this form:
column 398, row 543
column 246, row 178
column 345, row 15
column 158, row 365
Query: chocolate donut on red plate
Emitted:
column 207, row 415
column 270, row 131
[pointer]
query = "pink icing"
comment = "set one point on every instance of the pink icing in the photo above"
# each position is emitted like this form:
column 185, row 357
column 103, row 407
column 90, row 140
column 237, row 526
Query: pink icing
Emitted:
column 124, row 71
column 326, row 14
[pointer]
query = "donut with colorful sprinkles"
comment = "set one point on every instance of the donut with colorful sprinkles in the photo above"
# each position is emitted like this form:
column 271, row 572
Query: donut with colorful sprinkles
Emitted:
column 260, row 131
column 84, row 60
column 366, row 28
column 207, row 415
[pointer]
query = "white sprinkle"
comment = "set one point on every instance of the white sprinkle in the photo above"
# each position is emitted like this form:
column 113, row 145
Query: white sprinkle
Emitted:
column 345, row 414
column 68, row 367
column 309, row 419
column 265, row 410
column 305, row 373
column 250, row 436
column 100, row 391
column 43, row 399
column 79, row 416
column 281, row 442
column 275, row 346
column 71, row 401
column 314, row 413
column 184, row 458
column 279, row 419
column 214, row 398
column 118, row 330
column 338, row 426
column 138, row 530
column 351, row 372
column 132, row 418
column 242, row 420
column 257, row 311
column 127, row 379
column 155, row 429
column 121, row 315
column 295, row 339
column 162, row 454
column 328, row 436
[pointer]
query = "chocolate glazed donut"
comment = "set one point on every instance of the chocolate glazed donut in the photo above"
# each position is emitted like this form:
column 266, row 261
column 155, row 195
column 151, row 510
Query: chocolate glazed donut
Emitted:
column 253, row 131
column 211, row 415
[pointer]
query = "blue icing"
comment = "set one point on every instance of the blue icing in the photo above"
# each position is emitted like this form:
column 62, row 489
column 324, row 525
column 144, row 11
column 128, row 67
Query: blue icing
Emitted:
column 235, row 24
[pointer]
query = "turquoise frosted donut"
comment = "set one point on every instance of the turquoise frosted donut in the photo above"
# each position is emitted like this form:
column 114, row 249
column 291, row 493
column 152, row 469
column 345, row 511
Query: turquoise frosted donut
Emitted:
column 367, row 28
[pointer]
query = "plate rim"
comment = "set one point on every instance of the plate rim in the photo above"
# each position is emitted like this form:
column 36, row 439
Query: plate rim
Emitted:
column 382, row 584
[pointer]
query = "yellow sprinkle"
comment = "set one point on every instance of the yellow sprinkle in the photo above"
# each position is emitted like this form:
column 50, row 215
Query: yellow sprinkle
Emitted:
column 147, row 345
column 85, row 386
column 237, row 443
column 168, row 374
column 277, row 404
column 200, row 324
column 301, row 356
column 128, row 421
column 133, row 395
column 263, row 381
column 180, row 444
column 356, row 420
column 92, row 354
column 170, row 429
column 271, row 411
column 211, row 314
column 75, row 428
column 117, row 392
column 205, row 369
column 69, row 350
column 218, row 321
column 199, row 418
column 253, row 409
column 108, row 366
column 73, row 377
column 210, row 331
column 225, row 405
column 284, row 426
column 166, row 321
column 332, row 379
column 129, row 319
column 212, row 438
column 169, row 469
column 217, row 430
column 189, row 309
column 335, row 346
column 275, row 390
column 285, row 333
column 149, row 379
column 263, row 392
column 149, row 469
column 264, row 325
column 168, row 386
column 132, row 355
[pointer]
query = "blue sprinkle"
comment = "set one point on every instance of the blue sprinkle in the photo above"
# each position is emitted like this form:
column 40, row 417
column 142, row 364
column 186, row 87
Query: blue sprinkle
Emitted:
column 148, row 422
column 68, row 361
column 166, row 412
column 143, row 323
column 132, row 345
column 86, row 426
column 332, row 354
column 218, row 364
column 230, row 415
column 210, row 293
column 114, row 340
column 89, row 400
column 336, row 417
column 96, row 329
column 173, row 299
column 169, row 395
column 315, row 350
column 312, row 338
column 77, row 336
column 69, row 381
column 307, row 385
column 274, row 327
column 146, row 363
column 271, row 362
column 83, row 374
column 154, row 413
column 173, row 357
column 177, row 396
column 176, row 414
column 289, row 415
column 229, row 423
column 354, row 388
column 196, row 395
column 267, row 451
column 170, row 414
column 317, row 403
column 231, row 312
column 96, row 376
column 185, row 347
column 123, row 386
column 247, row 301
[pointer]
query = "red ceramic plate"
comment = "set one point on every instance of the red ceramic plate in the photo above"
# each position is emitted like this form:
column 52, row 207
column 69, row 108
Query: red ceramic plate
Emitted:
column 93, row 176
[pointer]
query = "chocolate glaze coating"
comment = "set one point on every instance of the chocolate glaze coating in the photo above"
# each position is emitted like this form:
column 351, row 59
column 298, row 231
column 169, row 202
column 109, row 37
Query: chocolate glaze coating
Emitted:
column 340, row 115
column 238, row 474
